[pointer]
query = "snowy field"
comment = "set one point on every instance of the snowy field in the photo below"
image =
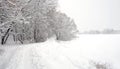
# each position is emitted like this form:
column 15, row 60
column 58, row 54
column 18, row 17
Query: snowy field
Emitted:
column 76, row 54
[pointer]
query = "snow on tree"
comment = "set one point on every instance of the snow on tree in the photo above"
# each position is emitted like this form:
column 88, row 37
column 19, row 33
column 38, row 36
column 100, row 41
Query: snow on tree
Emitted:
column 35, row 20
column 63, row 26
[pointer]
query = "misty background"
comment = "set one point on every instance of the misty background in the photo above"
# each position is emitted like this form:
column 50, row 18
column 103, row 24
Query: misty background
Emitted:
column 93, row 14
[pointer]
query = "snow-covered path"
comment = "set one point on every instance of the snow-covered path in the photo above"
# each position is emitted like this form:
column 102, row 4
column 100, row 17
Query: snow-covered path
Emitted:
column 75, row 54
column 34, row 56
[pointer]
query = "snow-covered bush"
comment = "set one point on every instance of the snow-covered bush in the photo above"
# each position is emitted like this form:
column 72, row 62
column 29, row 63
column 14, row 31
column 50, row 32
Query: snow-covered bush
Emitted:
column 100, row 65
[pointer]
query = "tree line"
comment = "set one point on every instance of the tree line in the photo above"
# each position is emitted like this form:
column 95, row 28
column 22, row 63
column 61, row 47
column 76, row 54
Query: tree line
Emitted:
column 34, row 21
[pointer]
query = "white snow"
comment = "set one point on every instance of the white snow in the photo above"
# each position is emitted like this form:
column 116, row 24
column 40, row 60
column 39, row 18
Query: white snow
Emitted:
column 74, row 54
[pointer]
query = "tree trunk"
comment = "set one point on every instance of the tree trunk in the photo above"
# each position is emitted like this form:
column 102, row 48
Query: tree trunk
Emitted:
column 5, row 37
column 35, row 35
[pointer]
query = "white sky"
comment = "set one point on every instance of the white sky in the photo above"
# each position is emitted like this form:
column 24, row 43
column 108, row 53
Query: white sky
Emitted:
column 93, row 14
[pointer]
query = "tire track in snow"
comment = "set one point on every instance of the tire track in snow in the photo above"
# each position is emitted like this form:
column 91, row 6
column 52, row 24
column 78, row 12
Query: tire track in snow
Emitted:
column 35, row 59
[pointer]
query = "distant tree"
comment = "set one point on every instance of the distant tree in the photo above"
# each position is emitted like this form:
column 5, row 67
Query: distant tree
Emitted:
column 64, row 27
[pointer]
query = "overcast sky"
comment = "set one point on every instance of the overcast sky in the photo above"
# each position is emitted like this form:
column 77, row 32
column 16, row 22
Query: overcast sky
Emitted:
column 93, row 14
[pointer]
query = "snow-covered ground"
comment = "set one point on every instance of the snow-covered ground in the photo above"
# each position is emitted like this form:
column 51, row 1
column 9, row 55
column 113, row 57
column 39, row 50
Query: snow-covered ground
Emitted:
column 75, row 54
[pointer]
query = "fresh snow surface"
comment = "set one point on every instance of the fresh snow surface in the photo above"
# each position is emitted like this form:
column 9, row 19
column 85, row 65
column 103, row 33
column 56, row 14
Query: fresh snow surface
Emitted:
column 75, row 54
